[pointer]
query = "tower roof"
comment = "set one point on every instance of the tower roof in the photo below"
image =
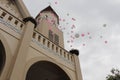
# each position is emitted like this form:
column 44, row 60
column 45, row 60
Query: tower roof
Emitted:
column 49, row 8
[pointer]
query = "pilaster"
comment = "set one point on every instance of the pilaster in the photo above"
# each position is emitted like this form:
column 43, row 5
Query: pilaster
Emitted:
column 77, row 68
column 22, row 52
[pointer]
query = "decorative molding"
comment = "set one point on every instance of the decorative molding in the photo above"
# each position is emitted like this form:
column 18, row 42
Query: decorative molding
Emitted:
column 10, row 26
column 51, row 51
column 74, row 51
column 30, row 19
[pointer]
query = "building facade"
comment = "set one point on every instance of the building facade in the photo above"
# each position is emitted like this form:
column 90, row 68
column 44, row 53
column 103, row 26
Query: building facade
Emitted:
column 33, row 49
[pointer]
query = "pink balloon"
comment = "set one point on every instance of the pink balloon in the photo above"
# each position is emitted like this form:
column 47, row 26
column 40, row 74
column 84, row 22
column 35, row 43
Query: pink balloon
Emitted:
column 73, row 19
column 82, row 35
column 56, row 2
column 106, row 42
column 71, row 31
column 60, row 19
column 83, row 44
column 71, row 41
column 73, row 26
column 63, row 20
column 88, row 33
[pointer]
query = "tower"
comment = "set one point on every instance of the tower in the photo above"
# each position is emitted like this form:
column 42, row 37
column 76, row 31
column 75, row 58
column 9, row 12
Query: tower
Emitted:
column 33, row 49
column 48, row 22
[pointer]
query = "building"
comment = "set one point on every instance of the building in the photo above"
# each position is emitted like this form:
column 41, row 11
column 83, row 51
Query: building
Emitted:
column 33, row 49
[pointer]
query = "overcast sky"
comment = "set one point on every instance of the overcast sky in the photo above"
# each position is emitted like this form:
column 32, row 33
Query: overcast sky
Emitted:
column 93, row 27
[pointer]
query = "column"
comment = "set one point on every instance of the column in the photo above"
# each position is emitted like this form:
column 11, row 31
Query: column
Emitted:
column 21, row 54
column 75, row 53
column 78, row 69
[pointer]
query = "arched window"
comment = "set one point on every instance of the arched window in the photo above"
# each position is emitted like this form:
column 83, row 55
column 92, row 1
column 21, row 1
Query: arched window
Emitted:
column 2, row 57
column 44, row 70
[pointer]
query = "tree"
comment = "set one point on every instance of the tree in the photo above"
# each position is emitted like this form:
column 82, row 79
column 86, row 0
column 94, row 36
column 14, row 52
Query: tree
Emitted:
column 115, row 75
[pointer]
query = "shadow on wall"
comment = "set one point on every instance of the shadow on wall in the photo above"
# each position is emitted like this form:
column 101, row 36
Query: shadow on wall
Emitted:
column 2, row 57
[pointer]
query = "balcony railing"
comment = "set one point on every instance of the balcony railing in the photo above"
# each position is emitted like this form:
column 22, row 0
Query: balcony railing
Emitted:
column 10, row 20
column 52, row 46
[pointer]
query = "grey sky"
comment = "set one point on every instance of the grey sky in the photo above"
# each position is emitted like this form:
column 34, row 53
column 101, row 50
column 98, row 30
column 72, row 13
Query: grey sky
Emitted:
column 97, row 57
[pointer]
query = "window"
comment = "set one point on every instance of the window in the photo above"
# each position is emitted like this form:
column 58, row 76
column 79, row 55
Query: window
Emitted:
column 53, row 37
column 64, row 54
column 9, row 18
column 34, row 34
column 60, row 51
column 56, row 39
column 50, row 35
column 39, row 20
column 16, row 22
column 21, row 26
column 46, row 16
column 3, row 15
column 71, row 58
column 9, row 2
column 68, row 56
column 48, row 44
column 44, row 41
column 56, row 49
column 39, row 38
column 52, row 46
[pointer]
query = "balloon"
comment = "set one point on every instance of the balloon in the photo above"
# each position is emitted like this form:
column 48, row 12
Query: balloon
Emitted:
column 88, row 33
column 104, row 25
column 56, row 2
column 73, row 19
column 71, row 31
column 60, row 19
column 77, row 35
column 106, row 42
column 73, row 26
column 82, row 35
column 90, row 37
column 63, row 20
column 68, row 41
column 101, row 36
column 83, row 44
column 67, row 14
column 70, row 45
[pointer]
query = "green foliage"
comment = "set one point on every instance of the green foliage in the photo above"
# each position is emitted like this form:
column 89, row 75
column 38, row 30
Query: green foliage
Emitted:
column 115, row 75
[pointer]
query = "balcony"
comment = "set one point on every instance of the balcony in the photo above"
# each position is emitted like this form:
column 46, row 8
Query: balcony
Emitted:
column 18, row 25
column 11, row 21
column 52, row 47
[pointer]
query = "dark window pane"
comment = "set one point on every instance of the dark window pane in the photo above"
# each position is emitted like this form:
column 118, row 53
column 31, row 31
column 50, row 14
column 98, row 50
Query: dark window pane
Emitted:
column 56, row 39
column 50, row 35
